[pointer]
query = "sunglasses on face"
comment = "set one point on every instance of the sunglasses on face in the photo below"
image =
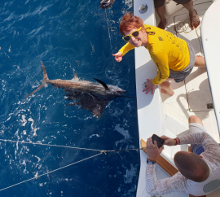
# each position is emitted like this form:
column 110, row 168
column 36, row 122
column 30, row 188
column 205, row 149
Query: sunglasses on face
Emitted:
column 134, row 34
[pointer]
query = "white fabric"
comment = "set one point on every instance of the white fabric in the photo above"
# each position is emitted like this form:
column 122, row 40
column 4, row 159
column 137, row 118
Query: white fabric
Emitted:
column 178, row 183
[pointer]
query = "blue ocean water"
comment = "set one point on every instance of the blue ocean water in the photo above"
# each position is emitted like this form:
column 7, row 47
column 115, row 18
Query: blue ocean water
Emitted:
column 66, row 35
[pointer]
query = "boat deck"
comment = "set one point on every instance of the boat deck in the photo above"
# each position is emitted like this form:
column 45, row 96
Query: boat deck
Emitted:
column 168, row 115
column 192, row 97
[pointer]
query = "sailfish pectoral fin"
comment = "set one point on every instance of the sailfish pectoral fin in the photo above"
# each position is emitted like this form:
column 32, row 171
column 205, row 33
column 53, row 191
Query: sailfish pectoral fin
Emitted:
column 45, row 77
column 102, row 83
column 88, row 102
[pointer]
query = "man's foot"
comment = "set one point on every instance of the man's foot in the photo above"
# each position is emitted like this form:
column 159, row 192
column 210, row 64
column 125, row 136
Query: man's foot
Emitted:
column 162, row 24
column 194, row 19
column 166, row 88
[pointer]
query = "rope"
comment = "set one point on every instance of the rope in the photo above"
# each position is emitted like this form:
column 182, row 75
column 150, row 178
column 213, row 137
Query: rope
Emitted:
column 181, row 27
column 48, row 172
column 72, row 147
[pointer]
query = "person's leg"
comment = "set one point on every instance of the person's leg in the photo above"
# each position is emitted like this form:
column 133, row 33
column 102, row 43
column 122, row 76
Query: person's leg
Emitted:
column 196, row 148
column 161, row 13
column 166, row 88
column 160, row 9
column 195, row 119
column 200, row 61
column 194, row 18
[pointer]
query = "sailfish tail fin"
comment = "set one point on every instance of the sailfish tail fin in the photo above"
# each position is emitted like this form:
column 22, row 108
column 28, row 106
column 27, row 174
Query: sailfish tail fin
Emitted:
column 45, row 80
column 45, row 77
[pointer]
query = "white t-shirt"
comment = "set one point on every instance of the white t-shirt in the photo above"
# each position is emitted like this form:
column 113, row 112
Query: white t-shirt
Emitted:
column 178, row 183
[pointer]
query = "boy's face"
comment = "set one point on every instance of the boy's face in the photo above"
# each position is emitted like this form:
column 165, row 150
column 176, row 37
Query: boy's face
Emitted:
column 139, row 40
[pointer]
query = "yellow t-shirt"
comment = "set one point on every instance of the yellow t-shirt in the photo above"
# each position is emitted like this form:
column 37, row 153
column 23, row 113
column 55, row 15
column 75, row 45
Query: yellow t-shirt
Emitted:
column 166, row 50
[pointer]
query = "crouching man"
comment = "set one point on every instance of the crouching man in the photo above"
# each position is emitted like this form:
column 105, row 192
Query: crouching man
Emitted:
column 199, row 170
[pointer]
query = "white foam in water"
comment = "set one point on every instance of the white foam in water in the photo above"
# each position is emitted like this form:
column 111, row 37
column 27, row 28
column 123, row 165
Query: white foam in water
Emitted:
column 128, row 3
column 21, row 103
column 89, row 117
column 39, row 167
column 119, row 142
column 17, row 134
column 16, row 150
column 34, row 129
column 97, row 135
column 117, row 112
column 122, row 131
column 130, row 174
column 24, row 164
column 23, row 120
column 37, row 158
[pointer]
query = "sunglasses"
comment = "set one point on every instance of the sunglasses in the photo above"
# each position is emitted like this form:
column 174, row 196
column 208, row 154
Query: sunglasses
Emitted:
column 134, row 34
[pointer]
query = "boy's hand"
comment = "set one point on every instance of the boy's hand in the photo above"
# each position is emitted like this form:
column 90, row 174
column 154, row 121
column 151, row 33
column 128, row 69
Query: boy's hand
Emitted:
column 149, row 86
column 118, row 56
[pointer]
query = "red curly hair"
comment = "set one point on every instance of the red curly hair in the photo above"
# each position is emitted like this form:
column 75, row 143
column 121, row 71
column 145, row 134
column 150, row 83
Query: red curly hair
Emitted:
column 130, row 21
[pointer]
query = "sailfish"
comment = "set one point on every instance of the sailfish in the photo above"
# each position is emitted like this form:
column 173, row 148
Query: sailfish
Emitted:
column 88, row 95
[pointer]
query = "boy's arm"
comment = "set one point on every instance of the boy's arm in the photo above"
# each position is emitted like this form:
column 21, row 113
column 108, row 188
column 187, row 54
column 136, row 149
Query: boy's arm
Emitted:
column 160, row 58
column 127, row 47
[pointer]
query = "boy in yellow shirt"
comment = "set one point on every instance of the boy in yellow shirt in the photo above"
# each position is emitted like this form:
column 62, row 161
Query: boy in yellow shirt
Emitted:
column 173, row 57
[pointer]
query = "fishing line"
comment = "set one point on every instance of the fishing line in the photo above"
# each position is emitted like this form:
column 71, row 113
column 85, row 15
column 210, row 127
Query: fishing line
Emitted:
column 49, row 172
column 61, row 146
column 109, row 35
column 108, row 28
column 72, row 147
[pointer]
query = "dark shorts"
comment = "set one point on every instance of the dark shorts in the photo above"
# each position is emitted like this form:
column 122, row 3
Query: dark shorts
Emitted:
column 180, row 76
column 159, row 3
column 197, row 148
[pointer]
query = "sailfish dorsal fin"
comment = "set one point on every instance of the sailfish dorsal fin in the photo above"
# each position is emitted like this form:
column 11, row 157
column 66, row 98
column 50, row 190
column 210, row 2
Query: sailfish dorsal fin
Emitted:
column 102, row 83
column 75, row 78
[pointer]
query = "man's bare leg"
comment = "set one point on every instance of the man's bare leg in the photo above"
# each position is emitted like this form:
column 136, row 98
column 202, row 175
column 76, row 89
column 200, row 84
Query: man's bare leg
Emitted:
column 195, row 119
column 200, row 61
column 166, row 88
column 194, row 18
column 161, row 13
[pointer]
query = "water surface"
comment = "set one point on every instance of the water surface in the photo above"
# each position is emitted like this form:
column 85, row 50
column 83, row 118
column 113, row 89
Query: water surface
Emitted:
column 68, row 36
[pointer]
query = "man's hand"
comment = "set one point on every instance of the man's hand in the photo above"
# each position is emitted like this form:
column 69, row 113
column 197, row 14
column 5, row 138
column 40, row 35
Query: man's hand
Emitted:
column 152, row 150
column 149, row 86
column 168, row 141
column 118, row 56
